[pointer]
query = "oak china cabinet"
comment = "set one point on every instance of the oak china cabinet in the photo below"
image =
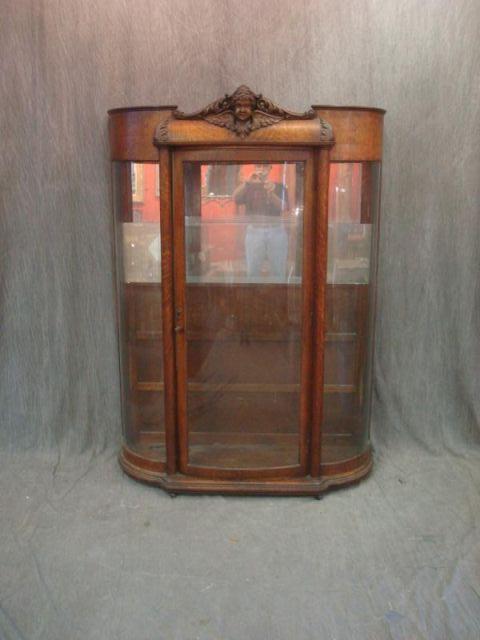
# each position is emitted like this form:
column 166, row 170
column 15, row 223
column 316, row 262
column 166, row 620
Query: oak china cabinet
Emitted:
column 246, row 244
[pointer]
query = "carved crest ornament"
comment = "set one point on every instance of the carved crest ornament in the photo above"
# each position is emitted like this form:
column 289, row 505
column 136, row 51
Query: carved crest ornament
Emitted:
column 243, row 112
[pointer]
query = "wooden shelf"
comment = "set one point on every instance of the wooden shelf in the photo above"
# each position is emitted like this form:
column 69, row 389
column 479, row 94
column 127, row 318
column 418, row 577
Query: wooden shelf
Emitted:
column 329, row 337
column 245, row 387
column 248, row 450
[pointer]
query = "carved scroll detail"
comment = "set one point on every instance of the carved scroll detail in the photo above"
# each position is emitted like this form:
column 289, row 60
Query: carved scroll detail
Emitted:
column 244, row 112
column 161, row 132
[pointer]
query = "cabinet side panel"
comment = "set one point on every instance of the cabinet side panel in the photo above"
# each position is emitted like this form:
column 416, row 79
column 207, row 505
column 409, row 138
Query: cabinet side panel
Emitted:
column 352, row 231
column 132, row 133
column 139, row 296
column 358, row 134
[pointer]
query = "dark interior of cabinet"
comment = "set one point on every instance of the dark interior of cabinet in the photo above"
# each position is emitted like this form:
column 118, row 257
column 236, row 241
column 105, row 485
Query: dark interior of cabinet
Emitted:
column 245, row 379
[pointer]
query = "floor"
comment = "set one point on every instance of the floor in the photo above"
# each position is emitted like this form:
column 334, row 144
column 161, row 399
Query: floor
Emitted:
column 87, row 553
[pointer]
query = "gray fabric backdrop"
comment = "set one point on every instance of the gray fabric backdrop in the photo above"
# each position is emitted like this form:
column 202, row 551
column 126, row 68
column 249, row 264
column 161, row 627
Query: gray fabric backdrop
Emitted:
column 63, row 64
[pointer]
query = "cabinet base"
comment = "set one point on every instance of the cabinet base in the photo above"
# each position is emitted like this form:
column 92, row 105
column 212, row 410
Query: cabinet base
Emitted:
column 296, row 486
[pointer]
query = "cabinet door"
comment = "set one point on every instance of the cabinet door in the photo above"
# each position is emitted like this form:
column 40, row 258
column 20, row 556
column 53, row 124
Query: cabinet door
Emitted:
column 243, row 310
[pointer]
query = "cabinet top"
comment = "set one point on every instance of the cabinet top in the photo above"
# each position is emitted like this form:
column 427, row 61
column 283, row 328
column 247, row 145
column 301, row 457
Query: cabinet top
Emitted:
column 174, row 107
column 246, row 118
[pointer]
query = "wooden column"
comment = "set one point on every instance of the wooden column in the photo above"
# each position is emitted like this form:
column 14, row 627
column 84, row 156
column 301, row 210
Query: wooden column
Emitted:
column 165, row 172
column 322, row 173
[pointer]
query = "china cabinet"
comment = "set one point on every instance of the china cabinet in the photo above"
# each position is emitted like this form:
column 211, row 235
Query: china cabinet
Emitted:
column 246, row 244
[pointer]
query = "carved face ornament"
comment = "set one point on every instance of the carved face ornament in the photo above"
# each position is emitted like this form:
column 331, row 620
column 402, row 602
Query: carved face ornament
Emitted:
column 244, row 109
column 244, row 112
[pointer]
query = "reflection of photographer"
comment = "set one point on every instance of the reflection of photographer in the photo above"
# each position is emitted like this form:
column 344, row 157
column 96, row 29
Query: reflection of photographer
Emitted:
column 265, row 239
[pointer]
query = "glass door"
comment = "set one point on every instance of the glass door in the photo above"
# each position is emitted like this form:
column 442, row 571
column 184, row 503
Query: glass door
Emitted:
column 243, row 309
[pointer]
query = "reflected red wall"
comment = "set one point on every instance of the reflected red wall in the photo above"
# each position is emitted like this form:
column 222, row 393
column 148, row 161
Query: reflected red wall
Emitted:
column 345, row 192
column 226, row 240
column 146, row 200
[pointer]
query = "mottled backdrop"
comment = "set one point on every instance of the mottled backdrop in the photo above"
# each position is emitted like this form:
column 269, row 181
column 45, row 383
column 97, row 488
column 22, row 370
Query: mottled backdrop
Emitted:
column 63, row 64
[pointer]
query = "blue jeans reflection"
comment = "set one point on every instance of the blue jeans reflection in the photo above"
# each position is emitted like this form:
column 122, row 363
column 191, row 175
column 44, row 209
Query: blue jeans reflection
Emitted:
column 266, row 242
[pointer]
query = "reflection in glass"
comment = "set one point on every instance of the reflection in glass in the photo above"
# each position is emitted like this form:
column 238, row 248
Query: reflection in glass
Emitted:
column 137, row 227
column 141, row 252
column 247, row 235
column 353, row 209
column 243, row 256
column 348, row 232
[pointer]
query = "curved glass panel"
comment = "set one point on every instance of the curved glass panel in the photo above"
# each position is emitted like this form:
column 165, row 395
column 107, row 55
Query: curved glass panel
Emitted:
column 352, row 221
column 137, row 243
column 243, row 297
